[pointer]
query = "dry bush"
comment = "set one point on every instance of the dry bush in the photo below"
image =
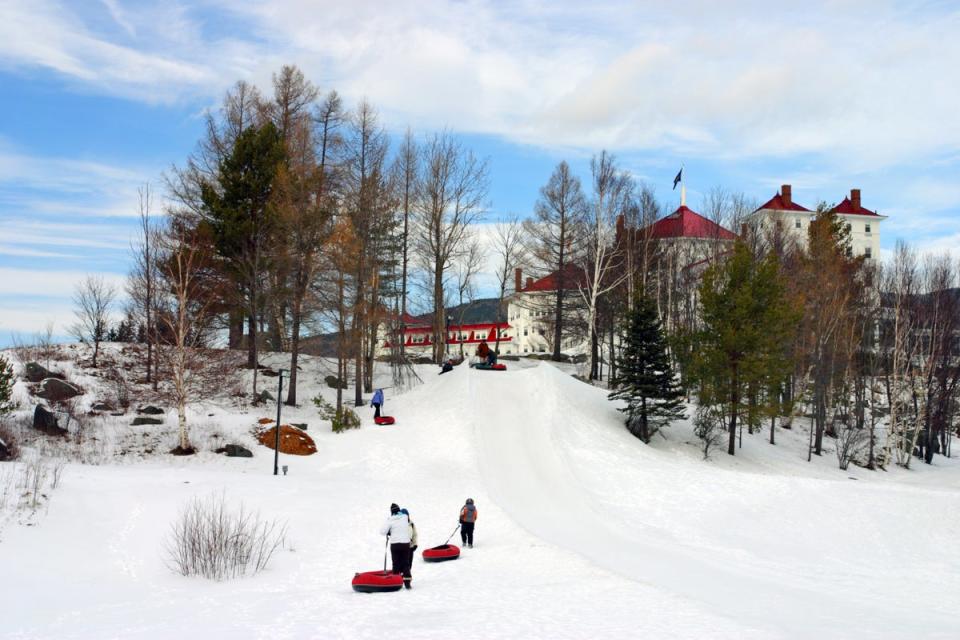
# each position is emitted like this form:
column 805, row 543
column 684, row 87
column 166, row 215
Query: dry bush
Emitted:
column 8, row 488
column 11, row 442
column 24, row 350
column 210, row 539
column 33, row 481
column 120, row 388
column 850, row 443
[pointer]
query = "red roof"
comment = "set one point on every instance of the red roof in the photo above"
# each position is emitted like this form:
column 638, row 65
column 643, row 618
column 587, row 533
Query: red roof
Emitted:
column 687, row 223
column 573, row 277
column 847, row 207
column 777, row 204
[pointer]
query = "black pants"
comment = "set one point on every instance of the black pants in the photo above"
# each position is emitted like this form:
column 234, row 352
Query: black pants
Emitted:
column 466, row 532
column 376, row 409
column 401, row 555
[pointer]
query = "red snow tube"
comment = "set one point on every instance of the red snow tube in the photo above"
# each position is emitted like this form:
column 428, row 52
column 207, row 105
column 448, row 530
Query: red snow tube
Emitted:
column 491, row 367
column 377, row 581
column 384, row 420
column 442, row 553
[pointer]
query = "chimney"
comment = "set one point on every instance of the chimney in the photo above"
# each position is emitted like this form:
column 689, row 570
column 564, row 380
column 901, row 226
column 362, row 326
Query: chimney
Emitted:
column 855, row 199
column 529, row 282
column 517, row 279
column 786, row 194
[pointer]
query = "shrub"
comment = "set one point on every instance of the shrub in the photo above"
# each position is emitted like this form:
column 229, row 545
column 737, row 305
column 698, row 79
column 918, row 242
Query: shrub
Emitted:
column 710, row 427
column 334, row 382
column 216, row 542
column 345, row 418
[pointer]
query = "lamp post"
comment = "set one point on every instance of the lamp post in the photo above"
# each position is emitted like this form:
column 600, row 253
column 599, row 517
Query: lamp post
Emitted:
column 446, row 341
column 276, row 442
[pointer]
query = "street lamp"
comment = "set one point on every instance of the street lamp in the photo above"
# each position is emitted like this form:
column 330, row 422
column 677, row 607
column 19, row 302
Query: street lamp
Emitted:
column 276, row 442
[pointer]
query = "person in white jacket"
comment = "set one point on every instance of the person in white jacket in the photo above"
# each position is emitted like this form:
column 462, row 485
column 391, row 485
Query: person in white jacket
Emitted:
column 397, row 529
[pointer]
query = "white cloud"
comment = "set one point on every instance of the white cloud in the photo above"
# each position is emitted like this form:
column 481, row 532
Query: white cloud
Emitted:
column 9, row 250
column 27, row 283
column 24, row 232
column 51, row 35
column 863, row 83
column 30, row 321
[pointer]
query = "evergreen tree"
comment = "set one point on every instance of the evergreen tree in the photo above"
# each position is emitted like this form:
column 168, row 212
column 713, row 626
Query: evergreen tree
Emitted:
column 747, row 320
column 243, row 218
column 645, row 379
column 6, row 386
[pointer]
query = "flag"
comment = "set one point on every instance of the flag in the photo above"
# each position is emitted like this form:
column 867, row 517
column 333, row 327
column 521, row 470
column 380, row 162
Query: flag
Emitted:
column 678, row 178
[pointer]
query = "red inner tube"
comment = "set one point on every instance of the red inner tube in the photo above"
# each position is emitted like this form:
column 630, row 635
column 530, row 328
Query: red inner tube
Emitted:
column 443, row 552
column 372, row 581
column 384, row 420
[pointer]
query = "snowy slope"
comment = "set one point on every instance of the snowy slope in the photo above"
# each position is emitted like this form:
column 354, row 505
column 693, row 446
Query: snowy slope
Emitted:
column 583, row 533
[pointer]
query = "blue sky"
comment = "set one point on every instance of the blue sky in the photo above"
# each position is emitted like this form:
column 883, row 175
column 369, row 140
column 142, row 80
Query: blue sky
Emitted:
column 99, row 97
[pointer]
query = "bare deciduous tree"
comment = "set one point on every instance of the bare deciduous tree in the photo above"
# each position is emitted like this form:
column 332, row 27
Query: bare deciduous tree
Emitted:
column 93, row 298
column 451, row 198
column 185, row 319
column 603, row 271
column 555, row 236
column 142, row 281
column 511, row 254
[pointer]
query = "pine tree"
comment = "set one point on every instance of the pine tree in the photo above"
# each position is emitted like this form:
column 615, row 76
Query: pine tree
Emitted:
column 645, row 379
column 243, row 219
column 6, row 386
column 747, row 321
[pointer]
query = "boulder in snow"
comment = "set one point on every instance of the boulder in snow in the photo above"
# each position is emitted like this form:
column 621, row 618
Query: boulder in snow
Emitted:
column 237, row 451
column 102, row 406
column 34, row 372
column 142, row 420
column 299, row 425
column 57, row 390
column 151, row 411
column 265, row 396
column 46, row 422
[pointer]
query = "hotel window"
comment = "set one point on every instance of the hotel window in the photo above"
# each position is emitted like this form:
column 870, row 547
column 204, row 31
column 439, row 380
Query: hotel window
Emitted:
column 868, row 253
column 866, row 227
column 798, row 224
column 524, row 331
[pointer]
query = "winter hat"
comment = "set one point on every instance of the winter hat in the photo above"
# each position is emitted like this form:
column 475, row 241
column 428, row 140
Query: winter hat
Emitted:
column 394, row 508
column 469, row 500
column 405, row 512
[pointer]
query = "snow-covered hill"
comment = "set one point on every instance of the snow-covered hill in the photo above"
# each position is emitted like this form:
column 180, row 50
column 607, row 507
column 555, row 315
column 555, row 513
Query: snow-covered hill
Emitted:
column 584, row 532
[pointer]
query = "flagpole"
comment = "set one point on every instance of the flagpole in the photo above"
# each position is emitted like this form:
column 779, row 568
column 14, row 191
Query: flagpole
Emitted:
column 683, row 187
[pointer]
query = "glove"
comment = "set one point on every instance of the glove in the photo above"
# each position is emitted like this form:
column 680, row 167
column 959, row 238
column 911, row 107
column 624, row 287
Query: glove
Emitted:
column 413, row 548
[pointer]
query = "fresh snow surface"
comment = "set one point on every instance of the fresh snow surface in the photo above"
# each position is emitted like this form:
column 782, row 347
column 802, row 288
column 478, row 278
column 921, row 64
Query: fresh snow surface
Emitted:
column 584, row 532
